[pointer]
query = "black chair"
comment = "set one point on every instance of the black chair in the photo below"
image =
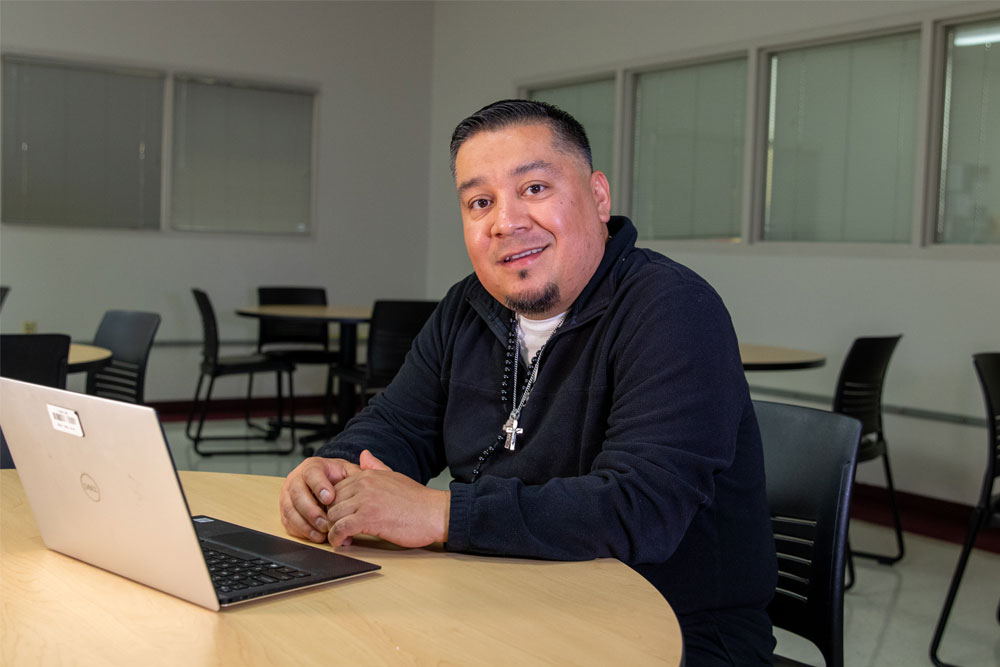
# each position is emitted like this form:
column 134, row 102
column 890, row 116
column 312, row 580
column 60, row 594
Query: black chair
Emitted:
column 987, row 510
column 129, row 335
column 859, row 395
column 214, row 366
column 393, row 327
column 298, row 341
column 37, row 358
column 809, row 459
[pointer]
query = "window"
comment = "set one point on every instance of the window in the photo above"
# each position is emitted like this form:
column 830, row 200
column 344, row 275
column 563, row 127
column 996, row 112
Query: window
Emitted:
column 593, row 104
column 969, row 202
column 841, row 141
column 81, row 145
column 687, row 179
column 242, row 158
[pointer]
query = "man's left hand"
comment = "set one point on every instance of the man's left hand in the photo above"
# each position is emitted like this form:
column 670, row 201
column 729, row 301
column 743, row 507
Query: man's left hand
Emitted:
column 379, row 502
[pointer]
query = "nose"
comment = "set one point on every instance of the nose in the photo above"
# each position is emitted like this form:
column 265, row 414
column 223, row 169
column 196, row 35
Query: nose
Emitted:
column 511, row 216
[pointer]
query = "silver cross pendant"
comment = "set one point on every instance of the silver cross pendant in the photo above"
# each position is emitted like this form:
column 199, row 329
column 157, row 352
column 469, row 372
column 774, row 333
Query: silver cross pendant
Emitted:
column 512, row 431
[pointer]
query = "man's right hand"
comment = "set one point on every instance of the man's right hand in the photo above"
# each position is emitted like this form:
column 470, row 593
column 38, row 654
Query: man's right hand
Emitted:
column 307, row 492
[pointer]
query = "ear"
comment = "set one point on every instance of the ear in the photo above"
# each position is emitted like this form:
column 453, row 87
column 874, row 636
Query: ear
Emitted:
column 602, row 194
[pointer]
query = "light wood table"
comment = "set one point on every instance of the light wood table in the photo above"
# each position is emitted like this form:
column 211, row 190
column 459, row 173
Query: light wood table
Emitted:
column 83, row 357
column 771, row 358
column 426, row 606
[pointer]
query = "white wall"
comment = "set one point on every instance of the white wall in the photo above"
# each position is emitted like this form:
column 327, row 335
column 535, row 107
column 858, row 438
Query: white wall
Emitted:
column 945, row 307
column 371, row 65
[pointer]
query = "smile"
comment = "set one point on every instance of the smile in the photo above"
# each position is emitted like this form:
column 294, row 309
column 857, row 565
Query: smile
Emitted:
column 511, row 258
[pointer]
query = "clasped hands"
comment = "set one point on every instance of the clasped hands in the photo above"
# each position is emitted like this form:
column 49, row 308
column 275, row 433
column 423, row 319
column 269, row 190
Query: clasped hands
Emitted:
column 333, row 500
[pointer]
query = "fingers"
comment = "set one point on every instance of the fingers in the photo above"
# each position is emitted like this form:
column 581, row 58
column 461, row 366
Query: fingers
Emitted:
column 306, row 493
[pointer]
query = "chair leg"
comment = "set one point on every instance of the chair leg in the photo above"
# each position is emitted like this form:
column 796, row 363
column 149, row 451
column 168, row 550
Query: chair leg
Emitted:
column 896, row 522
column 204, row 412
column 197, row 438
column 194, row 404
column 976, row 522
column 850, row 568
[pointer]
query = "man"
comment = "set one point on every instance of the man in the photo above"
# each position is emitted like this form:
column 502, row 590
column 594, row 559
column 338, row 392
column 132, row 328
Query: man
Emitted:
column 587, row 396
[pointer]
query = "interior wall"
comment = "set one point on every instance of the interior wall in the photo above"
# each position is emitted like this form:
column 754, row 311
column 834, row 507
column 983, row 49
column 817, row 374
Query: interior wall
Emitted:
column 944, row 306
column 370, row 62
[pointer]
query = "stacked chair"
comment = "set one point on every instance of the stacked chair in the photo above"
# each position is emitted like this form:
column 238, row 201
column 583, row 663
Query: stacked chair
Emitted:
column 809, row 459
column 36, row 358
column 987, row 509
column 859, row 395
column 129, row 335
column 393, row 327
column 297, row 341
column 214, row 366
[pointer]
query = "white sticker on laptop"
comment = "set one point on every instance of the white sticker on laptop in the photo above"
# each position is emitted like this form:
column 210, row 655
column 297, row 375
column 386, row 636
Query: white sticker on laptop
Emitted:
column 67, row 421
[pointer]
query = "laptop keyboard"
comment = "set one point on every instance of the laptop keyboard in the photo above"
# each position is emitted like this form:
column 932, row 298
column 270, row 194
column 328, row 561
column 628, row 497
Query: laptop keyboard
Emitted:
column 232, row 572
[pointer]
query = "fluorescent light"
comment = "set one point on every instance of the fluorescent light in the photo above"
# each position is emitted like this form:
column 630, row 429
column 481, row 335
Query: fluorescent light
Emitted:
column 989, row 34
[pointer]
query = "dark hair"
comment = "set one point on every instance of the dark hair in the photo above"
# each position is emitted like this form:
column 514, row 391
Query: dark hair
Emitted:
column 569, row 135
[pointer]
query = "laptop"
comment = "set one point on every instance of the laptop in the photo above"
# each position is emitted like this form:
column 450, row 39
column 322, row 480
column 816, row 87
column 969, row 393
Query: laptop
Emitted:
column 103, row 488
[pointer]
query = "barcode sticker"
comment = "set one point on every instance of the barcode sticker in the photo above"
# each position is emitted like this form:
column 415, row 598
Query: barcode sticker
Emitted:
column 67, row 421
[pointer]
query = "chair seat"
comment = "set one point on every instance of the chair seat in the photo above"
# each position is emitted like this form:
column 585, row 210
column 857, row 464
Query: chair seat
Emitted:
column 248, row 363
column 305, row 356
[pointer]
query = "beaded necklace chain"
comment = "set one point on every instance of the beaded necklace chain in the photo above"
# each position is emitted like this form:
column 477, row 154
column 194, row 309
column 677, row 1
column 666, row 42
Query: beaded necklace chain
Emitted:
column 510, row 429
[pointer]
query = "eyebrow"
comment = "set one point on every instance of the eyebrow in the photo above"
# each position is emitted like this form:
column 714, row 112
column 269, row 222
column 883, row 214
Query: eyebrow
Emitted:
column 520, row 170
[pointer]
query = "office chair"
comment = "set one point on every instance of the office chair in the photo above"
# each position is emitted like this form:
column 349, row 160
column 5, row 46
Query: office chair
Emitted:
column 859, row 395
column 809, row 459
column 37, row 358
column 393, row 327
column 987, row 510
column 215, row 366
column 298, row 341
column 129, row 335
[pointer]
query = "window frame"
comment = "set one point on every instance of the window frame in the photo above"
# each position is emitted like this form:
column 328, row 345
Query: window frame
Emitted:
column 931, row 24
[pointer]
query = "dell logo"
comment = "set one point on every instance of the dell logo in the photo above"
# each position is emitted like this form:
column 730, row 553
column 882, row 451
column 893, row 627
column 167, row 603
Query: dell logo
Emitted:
column 90, row 487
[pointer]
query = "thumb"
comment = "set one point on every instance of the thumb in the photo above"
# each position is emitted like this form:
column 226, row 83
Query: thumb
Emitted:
column 369, row 462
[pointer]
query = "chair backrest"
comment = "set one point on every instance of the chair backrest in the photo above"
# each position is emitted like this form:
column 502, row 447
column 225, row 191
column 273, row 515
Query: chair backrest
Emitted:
column 394, row 325
column 988, row 369
column 809, row 461
column 129, row 335
column 209, row 328
column 273, row 332
column 37, row 358
column 859, row 387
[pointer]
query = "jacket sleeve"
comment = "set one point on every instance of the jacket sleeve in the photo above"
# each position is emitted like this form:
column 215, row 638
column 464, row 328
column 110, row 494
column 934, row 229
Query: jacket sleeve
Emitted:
column 677, row 404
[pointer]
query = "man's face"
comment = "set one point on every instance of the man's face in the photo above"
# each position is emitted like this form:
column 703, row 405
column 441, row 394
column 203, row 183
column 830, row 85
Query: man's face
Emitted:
column 535, row 217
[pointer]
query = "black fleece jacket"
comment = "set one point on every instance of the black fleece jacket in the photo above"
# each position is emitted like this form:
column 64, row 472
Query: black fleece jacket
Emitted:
column 640, row 440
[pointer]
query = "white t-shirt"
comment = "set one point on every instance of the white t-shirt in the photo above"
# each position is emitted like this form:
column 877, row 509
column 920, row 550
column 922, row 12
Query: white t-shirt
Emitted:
column 532, row 334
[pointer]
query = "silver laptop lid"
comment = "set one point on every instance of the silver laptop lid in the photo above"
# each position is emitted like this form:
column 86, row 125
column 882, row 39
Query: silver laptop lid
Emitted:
column 103, row 488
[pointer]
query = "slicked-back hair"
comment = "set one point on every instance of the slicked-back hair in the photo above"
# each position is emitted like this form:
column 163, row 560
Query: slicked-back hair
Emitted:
column 567, row 133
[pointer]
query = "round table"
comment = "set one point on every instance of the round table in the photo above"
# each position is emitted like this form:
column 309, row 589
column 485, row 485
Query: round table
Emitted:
column 425, row 606
column 772, row 358
column 85, row 358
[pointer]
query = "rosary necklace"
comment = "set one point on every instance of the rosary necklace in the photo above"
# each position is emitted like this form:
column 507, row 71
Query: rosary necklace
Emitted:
column 510, row 428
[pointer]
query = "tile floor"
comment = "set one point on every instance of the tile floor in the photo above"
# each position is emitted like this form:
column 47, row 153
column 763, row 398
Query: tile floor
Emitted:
column 890, row 612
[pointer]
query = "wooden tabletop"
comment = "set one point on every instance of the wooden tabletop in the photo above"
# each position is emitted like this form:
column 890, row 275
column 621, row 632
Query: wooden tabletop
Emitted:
column 83, row 357
column 426, row 606
column 772, row 358
column 356, row 314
